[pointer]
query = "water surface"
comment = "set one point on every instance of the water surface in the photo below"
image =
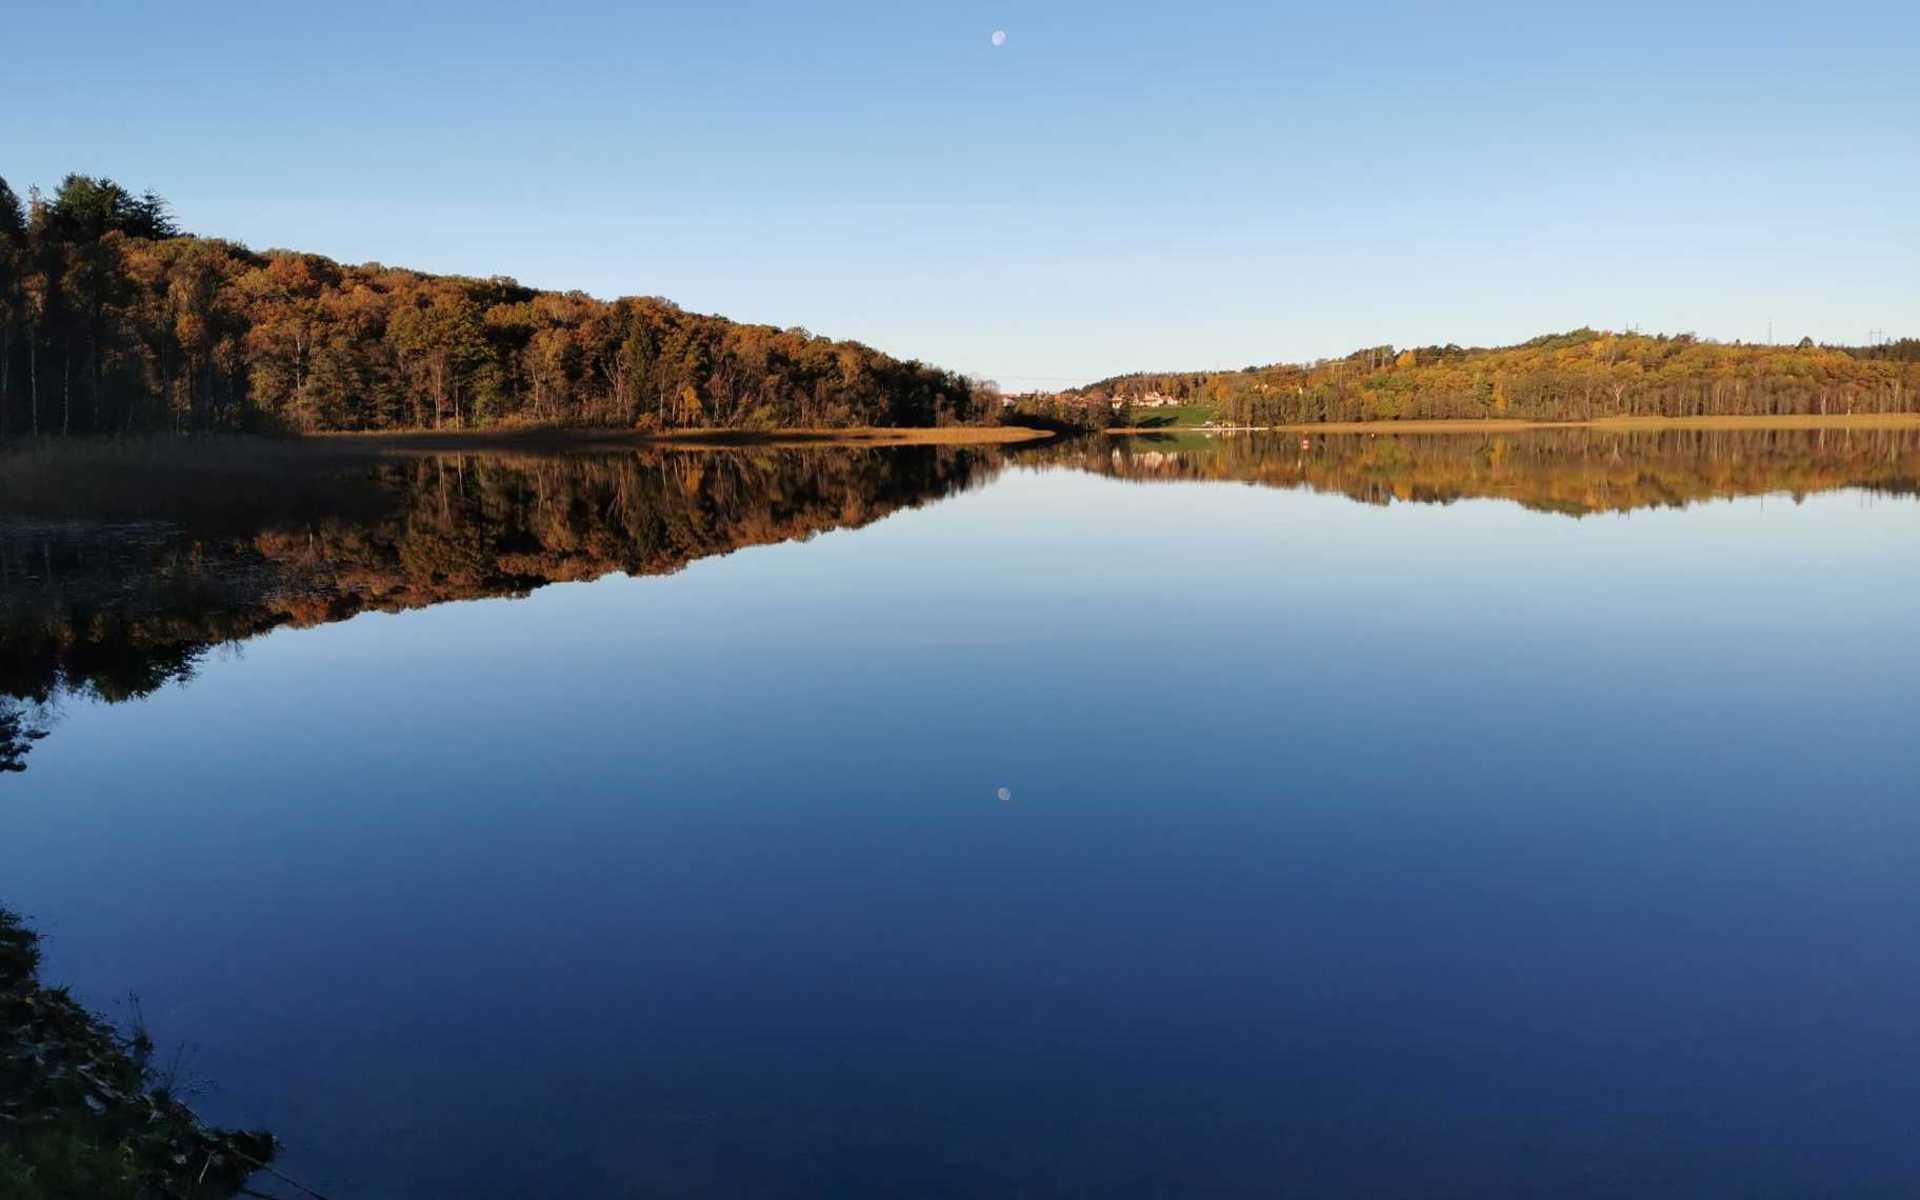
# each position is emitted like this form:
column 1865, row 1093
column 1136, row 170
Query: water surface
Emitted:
column 1492, row 815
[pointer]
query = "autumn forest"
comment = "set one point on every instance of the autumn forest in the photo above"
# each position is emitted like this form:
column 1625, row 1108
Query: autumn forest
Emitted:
column 113, row 320
column 1582, row 375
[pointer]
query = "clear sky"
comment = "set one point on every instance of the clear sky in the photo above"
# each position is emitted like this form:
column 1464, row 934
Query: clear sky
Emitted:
column 1120, row 186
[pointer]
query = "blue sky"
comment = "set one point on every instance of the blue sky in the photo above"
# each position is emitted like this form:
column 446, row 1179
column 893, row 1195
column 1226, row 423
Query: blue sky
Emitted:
column 1121, row 186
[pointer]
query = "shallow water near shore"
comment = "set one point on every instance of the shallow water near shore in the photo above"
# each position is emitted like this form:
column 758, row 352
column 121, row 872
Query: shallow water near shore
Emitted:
column 1495, row 814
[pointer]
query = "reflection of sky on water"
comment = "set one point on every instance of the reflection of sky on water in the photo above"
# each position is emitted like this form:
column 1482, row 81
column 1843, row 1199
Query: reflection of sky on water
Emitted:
column 1408, row 847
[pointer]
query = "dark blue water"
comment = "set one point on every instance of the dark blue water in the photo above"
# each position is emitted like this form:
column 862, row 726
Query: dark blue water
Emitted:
column 1348, row 850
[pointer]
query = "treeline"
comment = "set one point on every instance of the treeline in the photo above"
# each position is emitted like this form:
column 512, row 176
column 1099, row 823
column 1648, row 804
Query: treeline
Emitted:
column 112, row 320
column 1583, row 375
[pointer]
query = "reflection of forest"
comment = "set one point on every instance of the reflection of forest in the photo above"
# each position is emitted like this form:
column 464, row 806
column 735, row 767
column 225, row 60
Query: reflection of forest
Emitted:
column 120, row 569
column 95, row 599
column 1572, row 471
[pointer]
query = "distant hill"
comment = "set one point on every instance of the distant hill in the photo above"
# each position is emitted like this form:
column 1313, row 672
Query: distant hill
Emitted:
column 112, row 320
column 1585, row 374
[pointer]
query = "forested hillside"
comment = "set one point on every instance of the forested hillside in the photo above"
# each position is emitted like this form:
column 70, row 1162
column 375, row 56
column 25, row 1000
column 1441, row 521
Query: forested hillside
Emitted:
column 1579, row 376
column 112, row 320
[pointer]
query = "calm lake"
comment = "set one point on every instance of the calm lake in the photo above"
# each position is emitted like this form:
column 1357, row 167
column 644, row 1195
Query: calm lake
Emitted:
column 1445, row 815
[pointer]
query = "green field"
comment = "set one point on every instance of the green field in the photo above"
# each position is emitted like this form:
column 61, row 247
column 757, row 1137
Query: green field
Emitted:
column 1184, row 416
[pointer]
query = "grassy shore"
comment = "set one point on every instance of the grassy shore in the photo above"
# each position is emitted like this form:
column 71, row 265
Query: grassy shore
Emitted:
column 83, row 1113
column 1182, row 416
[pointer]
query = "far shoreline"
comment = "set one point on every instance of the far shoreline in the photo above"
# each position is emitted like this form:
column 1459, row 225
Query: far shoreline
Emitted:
column 1605, row 424
column 867, row 435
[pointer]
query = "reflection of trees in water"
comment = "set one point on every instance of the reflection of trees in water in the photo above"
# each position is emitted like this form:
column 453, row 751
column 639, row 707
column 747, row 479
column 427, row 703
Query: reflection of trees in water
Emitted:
column 120, row 570
column 19, row 730
column 114, row 608
column 1571, row 471
column 117, row 610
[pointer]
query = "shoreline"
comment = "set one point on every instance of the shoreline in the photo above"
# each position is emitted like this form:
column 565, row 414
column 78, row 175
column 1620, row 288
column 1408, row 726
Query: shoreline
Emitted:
column 1604, row 424
column 88, row 1100
column 868, row 435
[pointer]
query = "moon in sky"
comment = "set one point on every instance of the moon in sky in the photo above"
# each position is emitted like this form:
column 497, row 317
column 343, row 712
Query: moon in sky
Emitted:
column 999, row 37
